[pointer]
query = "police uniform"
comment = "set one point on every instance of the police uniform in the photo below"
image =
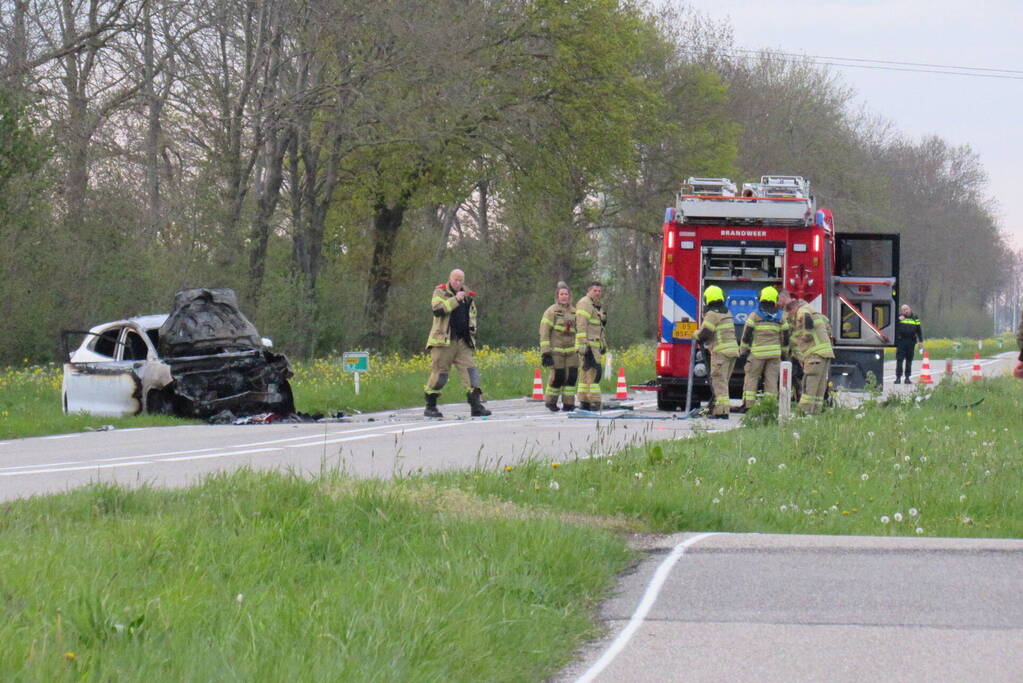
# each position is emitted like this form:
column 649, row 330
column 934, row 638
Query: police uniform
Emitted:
column 907, row 333
column 717, row 334
column 590, row 319
column 810, row 341
column 452, row 341
column 558, row 340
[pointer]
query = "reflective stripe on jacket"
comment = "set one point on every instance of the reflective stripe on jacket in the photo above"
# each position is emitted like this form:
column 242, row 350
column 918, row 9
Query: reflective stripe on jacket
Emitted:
column 762, row 338
column 717, row 332
column 443, row 303
column 557, row 329
column 589, row 322
column 811, row 333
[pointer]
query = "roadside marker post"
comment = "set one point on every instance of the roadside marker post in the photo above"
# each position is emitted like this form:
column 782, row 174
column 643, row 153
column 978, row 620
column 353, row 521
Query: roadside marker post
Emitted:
column 784, row 390
column 355, row 362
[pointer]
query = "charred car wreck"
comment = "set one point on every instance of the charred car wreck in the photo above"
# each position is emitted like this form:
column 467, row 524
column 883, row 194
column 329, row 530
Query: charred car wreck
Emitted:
column 203, row 358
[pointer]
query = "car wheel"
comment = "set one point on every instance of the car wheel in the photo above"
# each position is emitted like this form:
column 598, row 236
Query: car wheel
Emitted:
column 160, row 403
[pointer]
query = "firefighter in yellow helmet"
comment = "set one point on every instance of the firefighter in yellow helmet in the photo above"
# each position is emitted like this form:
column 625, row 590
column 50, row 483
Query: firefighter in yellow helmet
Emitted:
column 557, row 351
column 590, row 319
column 763, row 338
column 717, row 334
column 810, row 344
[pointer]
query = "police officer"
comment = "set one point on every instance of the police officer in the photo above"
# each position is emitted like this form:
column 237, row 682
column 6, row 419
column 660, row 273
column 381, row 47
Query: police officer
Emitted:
column 717, row 334
column 452, row 341
column 907, row 333
column 558, row 352
column 810, row 344
column 590, row 319
column 763, row 338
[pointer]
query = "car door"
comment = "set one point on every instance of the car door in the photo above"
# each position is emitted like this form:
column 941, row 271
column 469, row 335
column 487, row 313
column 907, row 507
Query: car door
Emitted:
column 108, row 383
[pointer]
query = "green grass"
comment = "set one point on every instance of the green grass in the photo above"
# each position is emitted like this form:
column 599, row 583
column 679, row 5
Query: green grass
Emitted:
column 272, row 577
column 936, row 466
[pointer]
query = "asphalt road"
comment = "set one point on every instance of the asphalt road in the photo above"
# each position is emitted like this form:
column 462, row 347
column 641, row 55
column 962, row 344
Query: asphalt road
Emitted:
column 750, row 607
column 379, row 445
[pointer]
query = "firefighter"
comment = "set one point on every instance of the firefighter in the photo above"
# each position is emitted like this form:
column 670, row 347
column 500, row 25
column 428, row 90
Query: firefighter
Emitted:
column 763, row 338
column 590, row 320
column 452, row 341
column 558, row 351
column 907, row 333
column 1017, row 371
column 810, row 344
column 717, row 334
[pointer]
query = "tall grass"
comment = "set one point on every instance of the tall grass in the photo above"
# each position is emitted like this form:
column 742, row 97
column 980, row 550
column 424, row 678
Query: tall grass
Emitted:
column 945, row 464
column 271, row 577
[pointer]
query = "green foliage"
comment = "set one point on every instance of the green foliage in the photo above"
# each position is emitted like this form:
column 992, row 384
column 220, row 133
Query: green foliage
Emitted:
column 932, row 464
column 266, row 576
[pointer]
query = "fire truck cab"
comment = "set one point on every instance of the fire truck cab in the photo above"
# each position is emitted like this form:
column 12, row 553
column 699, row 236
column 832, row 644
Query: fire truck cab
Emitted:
column 769, row 233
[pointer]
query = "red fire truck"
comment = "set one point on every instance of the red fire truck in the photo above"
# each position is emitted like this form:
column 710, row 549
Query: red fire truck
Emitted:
column 769, row 233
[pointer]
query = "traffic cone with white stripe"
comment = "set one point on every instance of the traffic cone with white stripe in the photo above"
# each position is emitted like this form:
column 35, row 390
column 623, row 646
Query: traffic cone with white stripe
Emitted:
column 976, row 375
column 925, row 370
column 622, row 391
column 537, row 387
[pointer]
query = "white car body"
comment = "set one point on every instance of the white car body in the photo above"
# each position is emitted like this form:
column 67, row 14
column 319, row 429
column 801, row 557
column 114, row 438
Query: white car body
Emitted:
column 114, row 368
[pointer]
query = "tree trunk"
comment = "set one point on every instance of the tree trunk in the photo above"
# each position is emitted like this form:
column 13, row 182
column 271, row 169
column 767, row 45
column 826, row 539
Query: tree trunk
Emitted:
column 387, row 220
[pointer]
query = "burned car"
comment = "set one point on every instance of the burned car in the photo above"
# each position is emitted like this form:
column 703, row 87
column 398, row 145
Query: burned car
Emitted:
column 203, row 358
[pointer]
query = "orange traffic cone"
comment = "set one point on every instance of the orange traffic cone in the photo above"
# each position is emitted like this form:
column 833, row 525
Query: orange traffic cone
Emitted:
column 622, row 391
column 977, row 375
column 925, row 370
column 537, row 387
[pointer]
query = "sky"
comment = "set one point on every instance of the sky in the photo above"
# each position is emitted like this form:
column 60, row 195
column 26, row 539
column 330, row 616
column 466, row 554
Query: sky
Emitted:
column 982, row 112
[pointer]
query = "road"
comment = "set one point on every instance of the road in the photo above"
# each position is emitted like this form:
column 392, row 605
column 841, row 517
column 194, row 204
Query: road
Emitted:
column 377, row 445
column 751, row 607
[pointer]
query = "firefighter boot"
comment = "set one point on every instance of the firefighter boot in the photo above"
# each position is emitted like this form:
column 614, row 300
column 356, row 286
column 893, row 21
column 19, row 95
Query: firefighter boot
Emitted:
column 431, row 406
column 552, row 404
column 475, row 399
column 568, row 404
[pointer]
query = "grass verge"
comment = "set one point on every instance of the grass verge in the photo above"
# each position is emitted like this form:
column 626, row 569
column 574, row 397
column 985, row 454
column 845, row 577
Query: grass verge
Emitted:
column 943, row 465
column 271, row 577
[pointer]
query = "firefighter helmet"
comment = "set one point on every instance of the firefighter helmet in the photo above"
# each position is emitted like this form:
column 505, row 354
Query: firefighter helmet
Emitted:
column 769, row 294
column 712, row 294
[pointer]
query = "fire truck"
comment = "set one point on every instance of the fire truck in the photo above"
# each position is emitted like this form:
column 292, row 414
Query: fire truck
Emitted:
column 769, row 233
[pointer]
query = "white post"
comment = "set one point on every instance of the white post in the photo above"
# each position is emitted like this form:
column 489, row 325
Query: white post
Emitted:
column 356, row 384
column 607, row 364
column 784, row 391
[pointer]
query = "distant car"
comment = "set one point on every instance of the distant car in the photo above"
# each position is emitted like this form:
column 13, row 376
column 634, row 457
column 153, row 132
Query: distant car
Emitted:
column 203, row 358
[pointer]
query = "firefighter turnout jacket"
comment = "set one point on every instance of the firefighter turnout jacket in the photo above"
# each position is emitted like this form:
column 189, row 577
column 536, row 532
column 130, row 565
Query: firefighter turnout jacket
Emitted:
column 445, row 305
column 765, row 334
column 811, row 333
column 908, row 330
column 590, row 320
column 557, row 329
column 717, row 333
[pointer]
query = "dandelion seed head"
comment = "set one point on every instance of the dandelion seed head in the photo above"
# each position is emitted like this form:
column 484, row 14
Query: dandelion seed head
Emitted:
column 781, row 465
column 864, row 476
column 638, row 475
column 897, row 516
column 716, row 501
column 554, row 486
column 884, row 519
column 913, row 512
column 752, row 460
column 919, row 529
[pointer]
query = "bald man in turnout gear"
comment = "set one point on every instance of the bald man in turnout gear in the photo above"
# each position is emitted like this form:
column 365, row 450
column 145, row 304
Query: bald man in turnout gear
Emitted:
column 590, row 320
column 452, row 341
column 764, row 336
column 717, row 334
column 557, row 351
column 810, row 344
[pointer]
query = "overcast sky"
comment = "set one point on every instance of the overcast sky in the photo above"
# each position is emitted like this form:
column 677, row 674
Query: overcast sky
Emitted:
column 984, row 113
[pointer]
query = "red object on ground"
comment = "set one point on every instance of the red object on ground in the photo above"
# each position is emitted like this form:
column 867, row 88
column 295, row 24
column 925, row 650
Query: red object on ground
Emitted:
column 622, row 391
column 925, row 370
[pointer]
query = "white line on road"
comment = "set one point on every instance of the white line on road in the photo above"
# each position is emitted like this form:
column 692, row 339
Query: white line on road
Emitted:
column 649, row 598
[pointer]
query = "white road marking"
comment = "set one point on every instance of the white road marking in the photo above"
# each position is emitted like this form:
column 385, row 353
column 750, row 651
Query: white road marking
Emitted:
column 649, row 598
column 314, row 440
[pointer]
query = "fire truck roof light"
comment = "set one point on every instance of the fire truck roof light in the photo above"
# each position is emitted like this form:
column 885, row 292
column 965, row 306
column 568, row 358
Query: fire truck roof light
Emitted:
column 798, row 247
